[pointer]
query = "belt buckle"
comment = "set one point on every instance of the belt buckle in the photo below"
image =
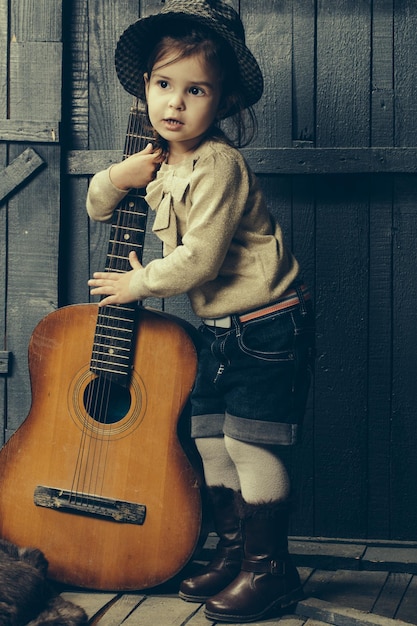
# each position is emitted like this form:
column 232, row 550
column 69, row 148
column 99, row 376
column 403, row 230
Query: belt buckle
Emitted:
column 220, row 322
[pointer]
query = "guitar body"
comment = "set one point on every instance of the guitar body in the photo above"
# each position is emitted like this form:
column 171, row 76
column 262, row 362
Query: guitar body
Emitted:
column 136, row 458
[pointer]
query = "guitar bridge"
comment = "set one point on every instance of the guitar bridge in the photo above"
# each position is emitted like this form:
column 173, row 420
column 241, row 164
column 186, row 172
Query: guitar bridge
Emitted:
column 90, row 505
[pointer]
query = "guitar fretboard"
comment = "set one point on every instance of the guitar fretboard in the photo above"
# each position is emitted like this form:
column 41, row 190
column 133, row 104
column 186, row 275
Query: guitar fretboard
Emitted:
column 116, row 325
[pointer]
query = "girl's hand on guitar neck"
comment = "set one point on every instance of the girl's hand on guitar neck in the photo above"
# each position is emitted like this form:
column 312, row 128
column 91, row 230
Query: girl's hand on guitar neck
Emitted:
column 137, row 170
column 113, row 285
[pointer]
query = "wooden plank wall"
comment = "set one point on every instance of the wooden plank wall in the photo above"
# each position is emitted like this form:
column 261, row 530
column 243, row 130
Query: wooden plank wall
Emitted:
column 30, row 110
column 336, row 154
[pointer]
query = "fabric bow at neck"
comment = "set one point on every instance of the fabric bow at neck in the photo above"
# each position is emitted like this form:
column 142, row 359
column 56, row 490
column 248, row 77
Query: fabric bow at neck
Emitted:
column 161, row 195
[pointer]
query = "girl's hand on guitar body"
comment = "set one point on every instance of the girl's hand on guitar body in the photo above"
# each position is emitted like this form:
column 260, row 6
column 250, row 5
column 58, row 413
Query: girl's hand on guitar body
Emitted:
column 115, row 285
column 137, row 170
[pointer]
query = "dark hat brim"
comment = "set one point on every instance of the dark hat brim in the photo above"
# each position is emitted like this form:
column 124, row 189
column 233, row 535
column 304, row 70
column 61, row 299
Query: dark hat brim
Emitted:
column 138, row 40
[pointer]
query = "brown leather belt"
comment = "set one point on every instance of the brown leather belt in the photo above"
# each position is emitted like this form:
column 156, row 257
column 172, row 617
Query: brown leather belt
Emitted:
column 289, row 299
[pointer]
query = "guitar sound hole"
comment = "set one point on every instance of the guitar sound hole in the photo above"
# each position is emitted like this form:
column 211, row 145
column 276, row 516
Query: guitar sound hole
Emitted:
column 106, row 401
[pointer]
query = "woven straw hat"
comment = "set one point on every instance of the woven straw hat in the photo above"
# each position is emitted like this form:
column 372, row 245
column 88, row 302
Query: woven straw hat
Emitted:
column 138, row 40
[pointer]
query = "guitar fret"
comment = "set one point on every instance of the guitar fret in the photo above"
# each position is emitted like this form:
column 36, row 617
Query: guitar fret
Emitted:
column 125, row 242
column 119, row 307
column 135, row 213
column 102, row 357
column 112, row 338
column 113, row 371
column 117, row 256
column 103, row 349
column 108, row 358
column 111, row 350
column 120, row 270
column 131, row 228
column 134, row 135
column 126, row 246
column 106, row 321
column 115, row 368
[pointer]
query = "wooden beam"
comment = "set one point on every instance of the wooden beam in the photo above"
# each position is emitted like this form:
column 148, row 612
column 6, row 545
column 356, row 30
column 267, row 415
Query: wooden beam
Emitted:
column 283, row 160
column 18, row 171
column 5, row 357
column 29, row 131
column 88, row 162
column 329, row 613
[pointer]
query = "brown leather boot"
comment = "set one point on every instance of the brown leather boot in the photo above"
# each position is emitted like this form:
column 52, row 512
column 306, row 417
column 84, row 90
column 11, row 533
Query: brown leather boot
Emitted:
column 229, row 551
column 268, row 579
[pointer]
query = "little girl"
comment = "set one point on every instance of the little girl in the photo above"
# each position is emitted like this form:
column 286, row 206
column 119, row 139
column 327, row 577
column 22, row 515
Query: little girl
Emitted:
column 221, row 247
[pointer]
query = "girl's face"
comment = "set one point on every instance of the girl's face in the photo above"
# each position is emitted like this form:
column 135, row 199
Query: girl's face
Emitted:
column 183, row 98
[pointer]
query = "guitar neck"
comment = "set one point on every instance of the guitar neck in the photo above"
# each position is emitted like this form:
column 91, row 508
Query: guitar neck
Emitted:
column 129, row 219
column 113, row 340
column 127, row 233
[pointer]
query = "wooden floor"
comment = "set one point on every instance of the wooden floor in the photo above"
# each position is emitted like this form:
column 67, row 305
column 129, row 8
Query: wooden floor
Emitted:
column 345, row 583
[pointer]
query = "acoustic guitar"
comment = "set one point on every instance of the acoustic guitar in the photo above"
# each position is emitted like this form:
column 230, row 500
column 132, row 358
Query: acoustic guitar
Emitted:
column 96, row 476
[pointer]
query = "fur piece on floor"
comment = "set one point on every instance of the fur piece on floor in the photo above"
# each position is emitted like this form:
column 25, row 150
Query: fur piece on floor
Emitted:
column 26, row 598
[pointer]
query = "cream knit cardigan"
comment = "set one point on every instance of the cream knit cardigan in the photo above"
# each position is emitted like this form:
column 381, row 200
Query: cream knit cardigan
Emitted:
column 220, row 244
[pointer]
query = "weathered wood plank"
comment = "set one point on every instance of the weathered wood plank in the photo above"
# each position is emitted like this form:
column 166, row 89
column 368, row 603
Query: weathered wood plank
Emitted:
column 92, row 603
column 343, row 73
column 18, row 171
column 268, row 26
column 356, row 589
column 380, row 272
column 35, row 96
column 282, row 160
column 166, row 610
column 5, row 358
column 29, row 131
column 303, row 71
column 36, row 20
column 405, row 73
column 379, row 362
column 88, row 162
column 341, row 616
column 3, row 301
column 33, row 238
column 328, row 555
column 75, row 271
column 391, row 559
column 408, row 607
column 301, row 457
column 340, row 377
column 392, row 594
column 74, row 248
column 382, row 95
column 109, row 103
column 76, row 72
column 4, row 36
column 404, row 389
column 119, row 610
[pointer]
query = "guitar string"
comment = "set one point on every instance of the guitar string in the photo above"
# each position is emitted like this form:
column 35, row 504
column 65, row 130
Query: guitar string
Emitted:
column 95, row 411
column 92, row 462
column 113, row 264
column 116, row 262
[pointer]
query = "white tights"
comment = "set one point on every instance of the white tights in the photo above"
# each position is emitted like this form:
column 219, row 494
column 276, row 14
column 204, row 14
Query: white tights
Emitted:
column 255, row 469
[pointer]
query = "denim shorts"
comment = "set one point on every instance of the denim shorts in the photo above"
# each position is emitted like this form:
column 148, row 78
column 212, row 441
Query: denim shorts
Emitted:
column 253, row 378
